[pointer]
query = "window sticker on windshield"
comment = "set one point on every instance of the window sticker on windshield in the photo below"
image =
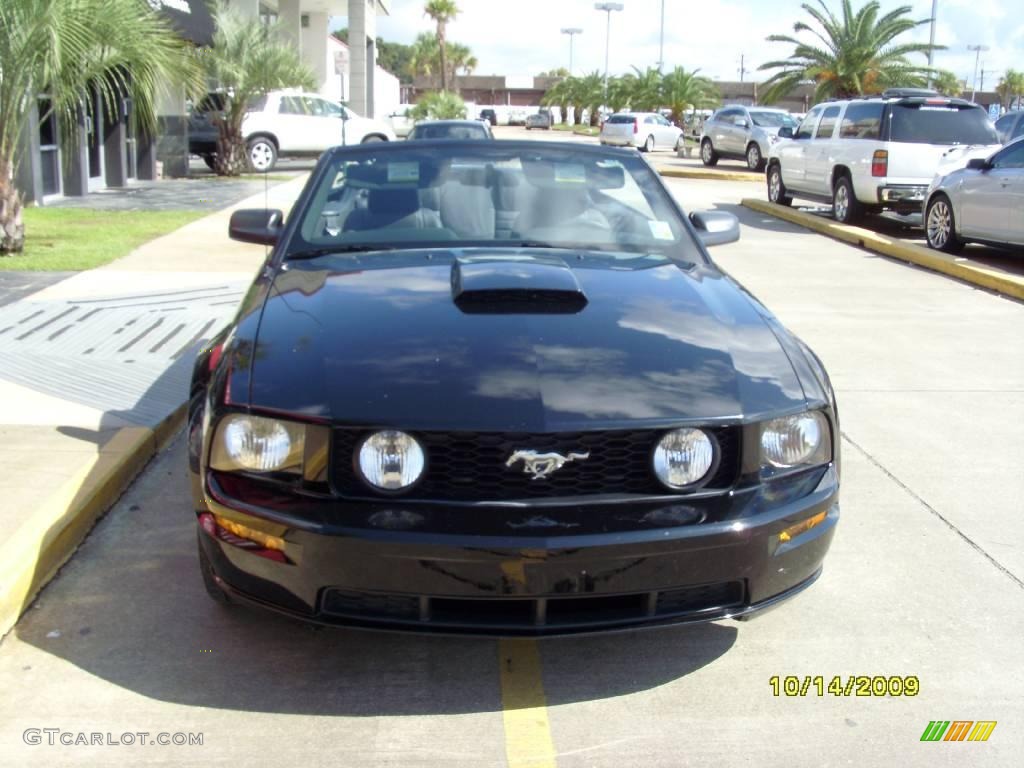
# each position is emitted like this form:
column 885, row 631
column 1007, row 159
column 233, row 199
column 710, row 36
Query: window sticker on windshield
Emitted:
column 570, row 173
column 660, row 230
column 403, row 172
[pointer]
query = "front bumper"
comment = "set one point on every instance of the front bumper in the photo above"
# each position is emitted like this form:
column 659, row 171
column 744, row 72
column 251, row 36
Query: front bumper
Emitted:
column 525, row 584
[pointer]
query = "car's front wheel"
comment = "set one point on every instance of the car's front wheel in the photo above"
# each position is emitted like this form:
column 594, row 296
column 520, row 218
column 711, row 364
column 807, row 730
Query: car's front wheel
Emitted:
column 262, row 154
column 211, row 162
column 776, row 189
column 940, row 226
column 708, row 155
column 846, row 208
column 755, row 160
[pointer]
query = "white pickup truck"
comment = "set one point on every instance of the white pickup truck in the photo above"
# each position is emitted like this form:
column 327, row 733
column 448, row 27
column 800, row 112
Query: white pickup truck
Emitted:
column 874, row 154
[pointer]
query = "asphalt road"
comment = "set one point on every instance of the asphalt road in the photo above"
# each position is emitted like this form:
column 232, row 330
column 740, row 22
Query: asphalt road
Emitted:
column 924, row 579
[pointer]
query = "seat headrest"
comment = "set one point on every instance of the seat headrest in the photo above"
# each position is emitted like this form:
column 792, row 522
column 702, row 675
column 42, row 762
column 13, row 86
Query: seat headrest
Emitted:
column 394, row 202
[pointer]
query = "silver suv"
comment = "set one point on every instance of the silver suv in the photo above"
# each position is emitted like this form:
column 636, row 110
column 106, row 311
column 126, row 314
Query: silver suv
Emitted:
column 745, row 133
column 875, row 154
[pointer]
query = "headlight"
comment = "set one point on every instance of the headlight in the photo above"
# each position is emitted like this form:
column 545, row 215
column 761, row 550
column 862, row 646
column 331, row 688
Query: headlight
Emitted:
column 682, row 457
column 258, row 444
column 390, row 460
column 795, row 441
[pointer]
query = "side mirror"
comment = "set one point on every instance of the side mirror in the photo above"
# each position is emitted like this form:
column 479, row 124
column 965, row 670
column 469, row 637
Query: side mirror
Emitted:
column 978, row 164
column 716, row 227
column 742, row 123
column 256, row 225
column 785, row 132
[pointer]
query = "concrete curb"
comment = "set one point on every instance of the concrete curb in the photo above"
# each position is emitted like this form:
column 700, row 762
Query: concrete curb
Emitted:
column 973, row 273
column 52, row 532
column 700, row 173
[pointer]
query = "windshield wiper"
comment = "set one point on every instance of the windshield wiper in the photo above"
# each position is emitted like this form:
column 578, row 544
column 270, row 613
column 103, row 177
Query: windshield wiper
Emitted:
column 314, row 253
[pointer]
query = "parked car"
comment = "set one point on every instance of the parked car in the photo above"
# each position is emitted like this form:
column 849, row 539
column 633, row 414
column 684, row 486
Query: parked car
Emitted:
column 451, row 129
column 401, row 122
column 741, row 132
column 202, row 130
column 870, row 155
column 646, row 131
column 489, row 115
column 983, row 202
column 541, row 119
column 287, row 123
column 1010, row 125
column 466, row 359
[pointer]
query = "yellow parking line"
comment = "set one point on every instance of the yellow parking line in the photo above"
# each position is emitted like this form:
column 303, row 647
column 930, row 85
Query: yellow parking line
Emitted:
column 527, row 731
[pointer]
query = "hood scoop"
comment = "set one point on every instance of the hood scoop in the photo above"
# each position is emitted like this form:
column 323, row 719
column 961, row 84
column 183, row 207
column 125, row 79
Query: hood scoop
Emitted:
column 516, row 286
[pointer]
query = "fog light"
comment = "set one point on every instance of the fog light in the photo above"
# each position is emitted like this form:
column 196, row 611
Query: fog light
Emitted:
column 795, row 530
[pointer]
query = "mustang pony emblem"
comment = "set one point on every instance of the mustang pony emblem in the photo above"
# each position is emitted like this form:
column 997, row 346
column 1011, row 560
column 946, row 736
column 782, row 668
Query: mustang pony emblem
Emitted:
column 541, row 465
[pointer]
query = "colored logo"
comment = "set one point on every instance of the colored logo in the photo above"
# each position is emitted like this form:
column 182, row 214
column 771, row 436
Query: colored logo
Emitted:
column 958, row 730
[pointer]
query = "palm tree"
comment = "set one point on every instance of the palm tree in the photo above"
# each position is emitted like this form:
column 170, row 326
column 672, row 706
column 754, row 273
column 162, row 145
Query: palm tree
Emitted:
column 1010, row 88
column 442, row 11
column 857, row 54
column 592, row 95
column 682, row 91
column 646, row 95
column 559, row 96
column 947, row 83
column 439, row 105
column 246, row 59
column 620, row 91
column 460, row 59
column 118, row 48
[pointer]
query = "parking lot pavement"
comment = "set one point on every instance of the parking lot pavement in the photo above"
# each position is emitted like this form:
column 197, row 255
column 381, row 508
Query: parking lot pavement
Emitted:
column 924, row 579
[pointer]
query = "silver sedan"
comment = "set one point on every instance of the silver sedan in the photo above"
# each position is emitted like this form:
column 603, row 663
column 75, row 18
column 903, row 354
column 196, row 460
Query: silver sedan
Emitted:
column 983, row 202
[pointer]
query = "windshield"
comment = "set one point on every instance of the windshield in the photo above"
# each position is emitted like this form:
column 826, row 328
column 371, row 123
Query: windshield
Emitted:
column 940, row 124
column 484, row 194
column 449, row 131
column 773, row 119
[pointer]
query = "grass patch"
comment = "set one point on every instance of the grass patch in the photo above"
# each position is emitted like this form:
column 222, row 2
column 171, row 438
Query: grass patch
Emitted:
column 580, row 130
column 67, row 239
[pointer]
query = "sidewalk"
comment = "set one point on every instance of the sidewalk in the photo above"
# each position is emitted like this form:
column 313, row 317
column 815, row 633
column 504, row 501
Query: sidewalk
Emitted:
column 94, row 372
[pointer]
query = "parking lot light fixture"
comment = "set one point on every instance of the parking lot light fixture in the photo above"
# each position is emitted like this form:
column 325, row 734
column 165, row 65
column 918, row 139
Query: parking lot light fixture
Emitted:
column 607, row 8
column 571, row 32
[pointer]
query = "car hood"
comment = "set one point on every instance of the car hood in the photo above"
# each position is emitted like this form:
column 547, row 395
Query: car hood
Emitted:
column 500, row 341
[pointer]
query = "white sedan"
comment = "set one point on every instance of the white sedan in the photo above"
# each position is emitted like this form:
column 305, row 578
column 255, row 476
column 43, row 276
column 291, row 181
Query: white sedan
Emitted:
column 983, row 202
column 646, row 131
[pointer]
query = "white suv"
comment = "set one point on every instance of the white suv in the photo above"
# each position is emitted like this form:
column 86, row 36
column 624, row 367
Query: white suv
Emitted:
column 303, row 124
column 875, row 154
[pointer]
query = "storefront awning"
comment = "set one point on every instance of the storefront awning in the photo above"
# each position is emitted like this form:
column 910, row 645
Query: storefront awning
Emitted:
column 190, row 18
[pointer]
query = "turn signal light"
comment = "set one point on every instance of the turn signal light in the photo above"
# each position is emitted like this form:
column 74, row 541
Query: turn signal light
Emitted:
column 880, row 163
column 795, row 530
column 245, row 532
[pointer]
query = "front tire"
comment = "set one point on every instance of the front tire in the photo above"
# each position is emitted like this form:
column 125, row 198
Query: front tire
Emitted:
column 755, row 160
column 776, row 189
column 211, row 162
column 262, row 154
column 940, row 226
column 708, row 156
column 846, row 208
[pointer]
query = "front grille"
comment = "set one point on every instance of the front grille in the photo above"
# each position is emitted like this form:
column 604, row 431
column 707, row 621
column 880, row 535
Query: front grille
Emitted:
column 533, row 614
column 471, row 466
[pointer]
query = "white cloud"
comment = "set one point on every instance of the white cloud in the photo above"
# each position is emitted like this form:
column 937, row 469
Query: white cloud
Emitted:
column 523, row 37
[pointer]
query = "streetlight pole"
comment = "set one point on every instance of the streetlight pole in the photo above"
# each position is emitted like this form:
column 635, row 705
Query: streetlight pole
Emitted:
column 607, row 8
column 571, row 32
column 931, row 44
column 661, row 40
column 977, row 56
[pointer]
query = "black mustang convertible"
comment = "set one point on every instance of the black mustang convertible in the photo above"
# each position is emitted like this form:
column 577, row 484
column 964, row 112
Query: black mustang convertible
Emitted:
column 500, row 387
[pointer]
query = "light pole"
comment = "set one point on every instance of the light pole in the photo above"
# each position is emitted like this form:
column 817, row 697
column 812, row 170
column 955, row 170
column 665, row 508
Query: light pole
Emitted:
column 931, row 44
column 571, row 32
column 977, row 56
column 607, row 8
column 661, row 39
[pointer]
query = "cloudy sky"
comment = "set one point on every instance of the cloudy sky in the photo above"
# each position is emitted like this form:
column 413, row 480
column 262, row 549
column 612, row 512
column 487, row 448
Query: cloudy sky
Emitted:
column 522, row 37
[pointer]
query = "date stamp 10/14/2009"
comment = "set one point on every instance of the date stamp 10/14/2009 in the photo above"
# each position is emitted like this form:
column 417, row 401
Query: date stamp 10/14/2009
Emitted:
column 854, row 685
